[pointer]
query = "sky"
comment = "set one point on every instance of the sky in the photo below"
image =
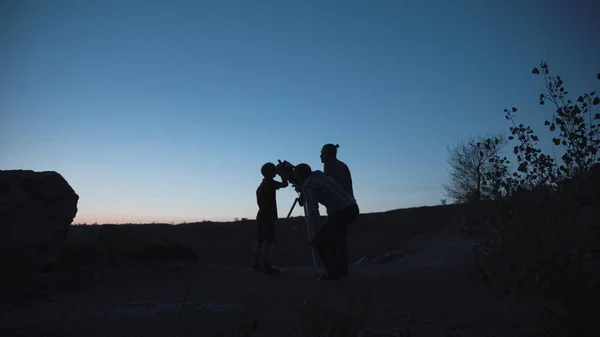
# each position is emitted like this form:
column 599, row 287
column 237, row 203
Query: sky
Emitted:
column 165, row 110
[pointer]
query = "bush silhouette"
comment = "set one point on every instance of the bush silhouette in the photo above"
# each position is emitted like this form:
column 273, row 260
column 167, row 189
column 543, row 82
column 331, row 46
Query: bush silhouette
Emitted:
column 545, row 232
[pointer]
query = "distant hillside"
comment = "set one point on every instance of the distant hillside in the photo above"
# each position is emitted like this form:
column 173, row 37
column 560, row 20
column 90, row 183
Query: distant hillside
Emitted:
column 231, row 243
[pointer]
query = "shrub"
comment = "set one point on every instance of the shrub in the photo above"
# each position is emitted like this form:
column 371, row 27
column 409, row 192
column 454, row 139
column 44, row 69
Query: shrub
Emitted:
column 544, row 239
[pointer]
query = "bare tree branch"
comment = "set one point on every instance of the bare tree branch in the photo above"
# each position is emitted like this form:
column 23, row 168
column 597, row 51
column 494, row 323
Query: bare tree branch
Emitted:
column 470, row 167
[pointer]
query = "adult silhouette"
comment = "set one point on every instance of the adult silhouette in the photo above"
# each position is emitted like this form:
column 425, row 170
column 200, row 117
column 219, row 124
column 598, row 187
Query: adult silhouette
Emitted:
column 340, row 173
column 342, row 210
column 335, row 168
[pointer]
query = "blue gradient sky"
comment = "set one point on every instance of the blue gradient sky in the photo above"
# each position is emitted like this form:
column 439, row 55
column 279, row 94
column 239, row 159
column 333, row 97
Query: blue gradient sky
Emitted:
column 165, row 110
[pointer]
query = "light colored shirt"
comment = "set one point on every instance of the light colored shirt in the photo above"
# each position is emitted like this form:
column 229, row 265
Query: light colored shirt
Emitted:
column 322, row 189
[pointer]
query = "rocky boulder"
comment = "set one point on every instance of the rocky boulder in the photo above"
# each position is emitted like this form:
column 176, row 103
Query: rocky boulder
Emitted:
column 36, row 211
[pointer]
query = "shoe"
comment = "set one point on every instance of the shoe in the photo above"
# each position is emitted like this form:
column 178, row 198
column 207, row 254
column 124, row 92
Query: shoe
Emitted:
column 268, row 269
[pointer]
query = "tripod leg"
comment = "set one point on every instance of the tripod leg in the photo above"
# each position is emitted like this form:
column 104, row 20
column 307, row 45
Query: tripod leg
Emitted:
column 292, row 209
column 310, row 228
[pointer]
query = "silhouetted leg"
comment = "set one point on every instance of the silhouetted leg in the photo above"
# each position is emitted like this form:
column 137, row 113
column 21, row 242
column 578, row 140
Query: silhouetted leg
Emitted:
column 325, row 245
column 341, row 241
column 269, row 238
column 258, row 247
column 348, row 217
column 327, row 252
column 257, row 252
column 265, row 254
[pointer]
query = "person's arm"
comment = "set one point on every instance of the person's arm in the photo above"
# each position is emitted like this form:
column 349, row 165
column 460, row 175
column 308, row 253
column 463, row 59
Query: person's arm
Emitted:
column 310, row 199
column 279, row 169
column 341, row 174
column 348, row 180
column 282, row 184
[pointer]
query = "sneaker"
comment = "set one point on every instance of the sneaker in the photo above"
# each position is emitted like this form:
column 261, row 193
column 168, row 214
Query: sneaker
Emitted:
column 268, row 269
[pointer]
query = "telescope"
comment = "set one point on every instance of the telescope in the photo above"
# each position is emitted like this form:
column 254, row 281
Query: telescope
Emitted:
column 288, row 172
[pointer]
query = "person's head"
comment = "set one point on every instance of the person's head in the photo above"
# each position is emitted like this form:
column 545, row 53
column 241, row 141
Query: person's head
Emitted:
column 302, row 172
column 268, row 170
column 328, row 152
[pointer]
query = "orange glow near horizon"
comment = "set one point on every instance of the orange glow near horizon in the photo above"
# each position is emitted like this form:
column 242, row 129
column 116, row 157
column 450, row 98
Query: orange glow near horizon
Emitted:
column 117, row 219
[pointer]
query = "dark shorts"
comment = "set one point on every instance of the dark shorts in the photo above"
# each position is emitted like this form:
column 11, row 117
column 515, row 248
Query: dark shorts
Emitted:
column 266, row 231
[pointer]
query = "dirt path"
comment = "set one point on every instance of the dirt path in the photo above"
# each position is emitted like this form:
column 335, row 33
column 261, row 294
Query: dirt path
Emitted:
column 429, row 287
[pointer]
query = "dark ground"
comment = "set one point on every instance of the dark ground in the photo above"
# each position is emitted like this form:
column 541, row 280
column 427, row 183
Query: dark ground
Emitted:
column 432, row 289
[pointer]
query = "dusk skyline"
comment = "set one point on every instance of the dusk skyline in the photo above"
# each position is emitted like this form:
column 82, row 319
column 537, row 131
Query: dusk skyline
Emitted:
column 166, row 111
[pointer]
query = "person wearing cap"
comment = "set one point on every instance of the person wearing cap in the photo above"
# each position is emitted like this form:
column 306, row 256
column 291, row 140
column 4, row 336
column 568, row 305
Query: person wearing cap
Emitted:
column 342, row 210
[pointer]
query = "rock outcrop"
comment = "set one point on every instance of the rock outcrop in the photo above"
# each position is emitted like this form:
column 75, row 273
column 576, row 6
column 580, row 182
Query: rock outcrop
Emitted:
column 36, row 211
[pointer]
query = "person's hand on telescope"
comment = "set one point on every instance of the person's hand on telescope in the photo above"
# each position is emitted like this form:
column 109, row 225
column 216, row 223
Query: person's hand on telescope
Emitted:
column 284, row 182
column 279, row 169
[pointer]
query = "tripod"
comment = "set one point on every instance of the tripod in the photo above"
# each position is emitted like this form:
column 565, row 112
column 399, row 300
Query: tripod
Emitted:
column 310, row 227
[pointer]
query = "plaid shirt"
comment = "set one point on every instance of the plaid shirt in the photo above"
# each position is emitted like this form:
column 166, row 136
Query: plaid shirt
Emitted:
column 319, row 188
